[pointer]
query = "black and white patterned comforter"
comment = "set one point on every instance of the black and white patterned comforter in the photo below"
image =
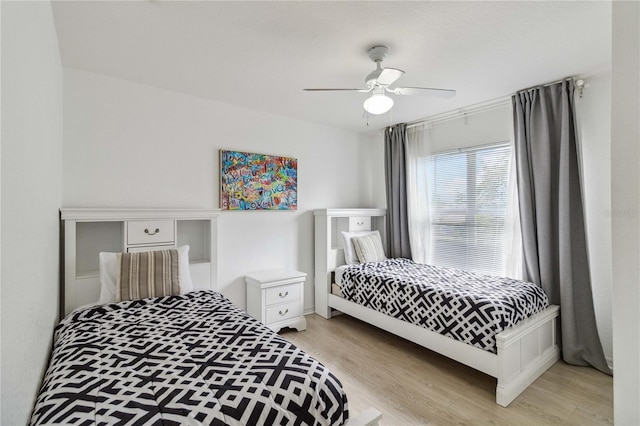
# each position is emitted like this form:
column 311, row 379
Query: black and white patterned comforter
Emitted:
column 462, row 305
column 182, row 360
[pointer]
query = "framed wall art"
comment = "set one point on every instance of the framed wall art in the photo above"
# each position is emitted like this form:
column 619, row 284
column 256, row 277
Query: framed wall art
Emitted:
column 251, row 181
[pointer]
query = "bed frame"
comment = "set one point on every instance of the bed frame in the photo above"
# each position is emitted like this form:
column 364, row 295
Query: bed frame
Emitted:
column 524, row 352
column 87, row 231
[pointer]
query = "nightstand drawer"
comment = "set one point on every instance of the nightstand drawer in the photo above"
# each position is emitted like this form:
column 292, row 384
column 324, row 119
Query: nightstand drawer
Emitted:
column 283, row 311
column 151, row 232
column 282, row 293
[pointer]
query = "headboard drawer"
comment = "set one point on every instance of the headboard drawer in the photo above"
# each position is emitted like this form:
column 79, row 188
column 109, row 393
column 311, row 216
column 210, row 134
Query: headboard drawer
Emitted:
column 361, row 223
column 151, row 232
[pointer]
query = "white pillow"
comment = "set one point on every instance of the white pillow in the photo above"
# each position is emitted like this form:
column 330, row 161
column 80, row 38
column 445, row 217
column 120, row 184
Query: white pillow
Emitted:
column 369, row 248
column 109, row 271
column 350, row 255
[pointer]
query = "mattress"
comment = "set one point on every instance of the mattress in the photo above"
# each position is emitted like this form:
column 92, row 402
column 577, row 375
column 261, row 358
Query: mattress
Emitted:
column 468, row 307
column 178, row 360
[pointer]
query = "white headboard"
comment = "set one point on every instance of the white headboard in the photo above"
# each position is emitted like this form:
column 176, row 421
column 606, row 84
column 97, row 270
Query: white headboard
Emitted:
column 88, row 231
column 329, row 250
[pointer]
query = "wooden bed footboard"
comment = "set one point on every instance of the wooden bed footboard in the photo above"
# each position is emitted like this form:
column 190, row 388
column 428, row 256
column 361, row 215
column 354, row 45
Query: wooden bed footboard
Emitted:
column 524, row 352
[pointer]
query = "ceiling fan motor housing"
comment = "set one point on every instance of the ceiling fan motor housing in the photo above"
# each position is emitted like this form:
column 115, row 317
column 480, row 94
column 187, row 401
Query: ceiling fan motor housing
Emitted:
column 377, row 55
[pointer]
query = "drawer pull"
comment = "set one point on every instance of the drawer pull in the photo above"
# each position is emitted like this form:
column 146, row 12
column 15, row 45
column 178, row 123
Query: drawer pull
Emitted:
column 286, row 311
column 146, row 231
column 359, row 223
column 286, row 293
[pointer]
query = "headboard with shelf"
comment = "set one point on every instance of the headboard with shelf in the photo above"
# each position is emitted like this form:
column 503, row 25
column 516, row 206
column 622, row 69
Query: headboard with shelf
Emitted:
column 89, row 231
column 329, row 248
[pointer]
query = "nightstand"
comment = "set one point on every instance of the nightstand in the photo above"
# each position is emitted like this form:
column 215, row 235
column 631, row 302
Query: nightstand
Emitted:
column 276, row 298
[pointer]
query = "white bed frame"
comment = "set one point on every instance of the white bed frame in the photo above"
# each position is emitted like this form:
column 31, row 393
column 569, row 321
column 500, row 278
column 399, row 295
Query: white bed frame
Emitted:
column 87, row 231
column 524, row 352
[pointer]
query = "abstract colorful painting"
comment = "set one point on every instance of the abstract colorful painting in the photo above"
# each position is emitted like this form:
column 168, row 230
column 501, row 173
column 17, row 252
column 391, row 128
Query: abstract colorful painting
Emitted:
column 257, row 181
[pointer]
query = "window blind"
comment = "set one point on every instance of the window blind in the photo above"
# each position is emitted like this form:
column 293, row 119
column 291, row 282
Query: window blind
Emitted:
column 467, row 206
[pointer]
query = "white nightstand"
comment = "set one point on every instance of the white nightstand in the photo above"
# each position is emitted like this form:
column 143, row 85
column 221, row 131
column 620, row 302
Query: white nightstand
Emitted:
column 276, row 298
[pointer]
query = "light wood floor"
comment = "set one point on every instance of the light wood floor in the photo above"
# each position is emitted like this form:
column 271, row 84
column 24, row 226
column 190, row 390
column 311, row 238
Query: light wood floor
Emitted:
column 411, row 385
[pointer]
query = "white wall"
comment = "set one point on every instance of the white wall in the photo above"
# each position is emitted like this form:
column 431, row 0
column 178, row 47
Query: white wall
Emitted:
column 0, row 219
column 594, row 126
column 474, row 129
column 129, row 145
column 373, row 156
column 31, row 193
column 625, row 207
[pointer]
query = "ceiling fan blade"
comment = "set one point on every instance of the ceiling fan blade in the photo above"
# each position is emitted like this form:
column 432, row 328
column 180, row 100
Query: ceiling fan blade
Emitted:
column 424, row 91
column 337, row 90
column 388, row 76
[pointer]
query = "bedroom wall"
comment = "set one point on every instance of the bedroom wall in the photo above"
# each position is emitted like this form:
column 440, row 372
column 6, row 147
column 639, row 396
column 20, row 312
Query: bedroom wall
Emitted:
column 594, row 126
column 474, row 129
column 129, row 145
column 30, row 197
column 625, row 205
column 374, row 157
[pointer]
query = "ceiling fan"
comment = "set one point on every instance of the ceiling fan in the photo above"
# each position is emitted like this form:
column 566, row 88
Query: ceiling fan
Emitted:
column 378, row 81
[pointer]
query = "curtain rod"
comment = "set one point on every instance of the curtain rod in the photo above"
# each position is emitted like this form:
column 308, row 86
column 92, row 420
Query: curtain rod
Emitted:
column 485, row 106
column 578, row 83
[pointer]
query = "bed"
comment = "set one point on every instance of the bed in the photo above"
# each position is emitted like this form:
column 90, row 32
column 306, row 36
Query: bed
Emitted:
column 516, row 353
column 183, row 359
column 188, row 357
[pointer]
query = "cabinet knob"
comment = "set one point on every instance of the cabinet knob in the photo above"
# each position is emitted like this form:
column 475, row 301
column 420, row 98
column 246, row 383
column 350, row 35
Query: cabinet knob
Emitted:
column 286, row 293
column 286, row 311
column 146, row 231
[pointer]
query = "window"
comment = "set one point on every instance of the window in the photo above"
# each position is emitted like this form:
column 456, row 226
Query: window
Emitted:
column 468, row 206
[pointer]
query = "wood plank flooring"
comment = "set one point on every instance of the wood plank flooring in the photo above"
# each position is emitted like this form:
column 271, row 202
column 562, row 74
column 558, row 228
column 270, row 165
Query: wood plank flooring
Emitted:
column 411, row 385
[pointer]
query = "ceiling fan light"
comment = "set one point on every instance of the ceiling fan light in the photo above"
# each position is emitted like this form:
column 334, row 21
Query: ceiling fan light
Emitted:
column 378, row 103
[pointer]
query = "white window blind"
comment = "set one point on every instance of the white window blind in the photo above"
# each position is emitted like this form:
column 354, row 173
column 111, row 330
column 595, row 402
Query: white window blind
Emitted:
column 467, row 207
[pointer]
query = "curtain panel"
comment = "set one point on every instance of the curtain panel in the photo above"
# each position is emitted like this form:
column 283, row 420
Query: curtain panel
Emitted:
column 396, row 188
column 551, row 215
column 418, row 147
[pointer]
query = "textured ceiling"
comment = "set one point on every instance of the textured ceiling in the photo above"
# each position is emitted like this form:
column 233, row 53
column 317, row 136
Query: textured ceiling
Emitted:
column 262, row 54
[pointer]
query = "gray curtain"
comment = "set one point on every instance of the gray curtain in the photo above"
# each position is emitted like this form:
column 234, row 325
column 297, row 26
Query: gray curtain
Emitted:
column 551, row 215
column 396, row 186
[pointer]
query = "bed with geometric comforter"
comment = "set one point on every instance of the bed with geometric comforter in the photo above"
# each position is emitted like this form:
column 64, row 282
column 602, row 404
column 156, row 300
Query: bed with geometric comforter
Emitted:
column 178, row 360
column 465, row 306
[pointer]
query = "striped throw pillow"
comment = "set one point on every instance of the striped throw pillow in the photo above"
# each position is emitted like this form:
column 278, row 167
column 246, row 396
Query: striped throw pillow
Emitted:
column 369, row 248
column 147, row 274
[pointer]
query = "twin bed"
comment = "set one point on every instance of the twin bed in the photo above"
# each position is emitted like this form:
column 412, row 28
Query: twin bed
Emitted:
column 502, row 327
column 192, row 357
column 183, row 359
